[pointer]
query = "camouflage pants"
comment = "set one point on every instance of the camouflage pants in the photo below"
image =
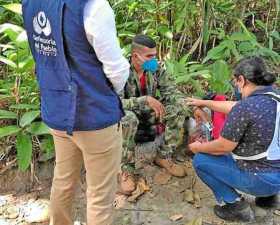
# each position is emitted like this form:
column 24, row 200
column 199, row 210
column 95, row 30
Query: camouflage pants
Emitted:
column 129, row 127
column 164, row 145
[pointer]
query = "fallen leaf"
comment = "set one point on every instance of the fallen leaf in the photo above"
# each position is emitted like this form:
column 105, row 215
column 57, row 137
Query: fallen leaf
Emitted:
column 197, row 202
column 120, row 201
column 141, row 188
column 176, row 217
column 189, row 196
column 162, row 177
column 193, row 198
column 197, row 221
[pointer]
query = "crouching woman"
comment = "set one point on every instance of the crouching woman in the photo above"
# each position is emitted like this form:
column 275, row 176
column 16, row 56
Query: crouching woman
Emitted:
column 246, row 157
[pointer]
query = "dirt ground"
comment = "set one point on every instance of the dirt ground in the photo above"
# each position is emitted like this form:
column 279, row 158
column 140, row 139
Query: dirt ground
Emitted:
column 170, row 201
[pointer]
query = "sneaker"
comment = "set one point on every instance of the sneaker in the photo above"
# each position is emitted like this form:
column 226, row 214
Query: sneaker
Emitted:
column 126, row 183
column 239, row 211
column 173, row 168
column 268, row 202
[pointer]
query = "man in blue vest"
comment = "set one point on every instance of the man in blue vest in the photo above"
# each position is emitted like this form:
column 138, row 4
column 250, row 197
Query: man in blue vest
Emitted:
column 80, row 70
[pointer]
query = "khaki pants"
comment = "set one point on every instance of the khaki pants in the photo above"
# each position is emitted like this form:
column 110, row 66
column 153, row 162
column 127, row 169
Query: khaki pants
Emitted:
column 100, row 151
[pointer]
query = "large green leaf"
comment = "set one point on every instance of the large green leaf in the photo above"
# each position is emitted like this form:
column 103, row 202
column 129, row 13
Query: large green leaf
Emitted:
column 221, row 74
column 9, row 130
column 217, row 52
column 14, row 7
column 245, row 47
column 24, row 106
column 22, row 41
column 26, row 64
column 24, row 151
column 8, row 62
column 38, row 128
column 47, row 145
column 240, row 36
column 164, row 31
column 28, row 118
column 4, row 114
column 11, row 30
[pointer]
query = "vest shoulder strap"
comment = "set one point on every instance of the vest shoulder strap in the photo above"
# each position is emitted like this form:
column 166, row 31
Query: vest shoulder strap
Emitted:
column 273, row 95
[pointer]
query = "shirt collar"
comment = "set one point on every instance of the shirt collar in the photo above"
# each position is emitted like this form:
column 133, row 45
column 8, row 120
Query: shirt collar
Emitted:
column 263, row 90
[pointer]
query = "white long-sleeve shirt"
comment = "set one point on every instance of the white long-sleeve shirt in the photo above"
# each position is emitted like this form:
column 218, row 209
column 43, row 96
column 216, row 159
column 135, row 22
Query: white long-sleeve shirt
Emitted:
column 100, row 28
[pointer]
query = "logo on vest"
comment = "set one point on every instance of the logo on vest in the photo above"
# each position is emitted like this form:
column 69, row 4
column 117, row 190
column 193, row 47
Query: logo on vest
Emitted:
column 44, row 45
column 41, row 24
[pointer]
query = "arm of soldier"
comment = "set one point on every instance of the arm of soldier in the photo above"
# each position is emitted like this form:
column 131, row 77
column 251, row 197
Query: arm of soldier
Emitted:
column 133, row 103
column 172, row 95
column 139, row 103
column 169, row 93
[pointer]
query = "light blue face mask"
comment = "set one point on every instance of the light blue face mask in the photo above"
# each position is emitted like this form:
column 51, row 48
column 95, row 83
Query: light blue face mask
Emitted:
column 237, row 94
column 150, row 65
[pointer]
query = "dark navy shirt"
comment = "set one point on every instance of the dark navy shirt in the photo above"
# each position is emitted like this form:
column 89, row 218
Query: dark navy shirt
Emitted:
column 251, row 123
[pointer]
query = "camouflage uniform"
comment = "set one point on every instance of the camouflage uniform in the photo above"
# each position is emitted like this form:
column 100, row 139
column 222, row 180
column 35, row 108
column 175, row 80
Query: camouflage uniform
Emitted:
column 160, row 86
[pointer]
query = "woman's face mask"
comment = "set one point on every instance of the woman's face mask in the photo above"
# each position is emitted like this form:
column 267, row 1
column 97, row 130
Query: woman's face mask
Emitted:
column 237, row 91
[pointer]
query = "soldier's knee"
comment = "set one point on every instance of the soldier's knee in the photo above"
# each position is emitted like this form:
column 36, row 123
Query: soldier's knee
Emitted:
column 130, row 119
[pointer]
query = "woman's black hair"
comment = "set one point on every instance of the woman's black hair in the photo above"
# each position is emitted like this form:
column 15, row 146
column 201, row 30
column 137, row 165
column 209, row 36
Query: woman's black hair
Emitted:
column 254, row 69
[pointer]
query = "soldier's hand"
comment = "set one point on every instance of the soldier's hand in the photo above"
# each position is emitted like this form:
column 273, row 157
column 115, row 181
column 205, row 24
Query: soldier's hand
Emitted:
column 201, row 116
column 156, row 106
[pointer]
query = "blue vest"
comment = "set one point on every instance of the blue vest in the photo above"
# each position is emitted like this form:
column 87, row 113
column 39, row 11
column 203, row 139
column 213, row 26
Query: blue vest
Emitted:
column 75, row 93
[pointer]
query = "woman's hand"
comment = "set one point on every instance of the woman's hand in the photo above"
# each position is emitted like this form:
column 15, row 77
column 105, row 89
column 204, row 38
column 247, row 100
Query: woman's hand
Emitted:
column 195, row 102
column 194, row 147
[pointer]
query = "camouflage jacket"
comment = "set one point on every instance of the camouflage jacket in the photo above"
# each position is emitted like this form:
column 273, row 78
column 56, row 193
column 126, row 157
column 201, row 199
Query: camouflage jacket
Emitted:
column 159, row 85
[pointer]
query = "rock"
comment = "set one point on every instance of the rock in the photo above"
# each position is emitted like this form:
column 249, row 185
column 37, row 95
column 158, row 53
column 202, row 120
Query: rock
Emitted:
column 11, row 212
column 36, row 211
column 176, row 217
column 4, row 222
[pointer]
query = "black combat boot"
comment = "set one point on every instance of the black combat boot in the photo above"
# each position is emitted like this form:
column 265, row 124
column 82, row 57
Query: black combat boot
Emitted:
column 238, row 211
column 268, row 202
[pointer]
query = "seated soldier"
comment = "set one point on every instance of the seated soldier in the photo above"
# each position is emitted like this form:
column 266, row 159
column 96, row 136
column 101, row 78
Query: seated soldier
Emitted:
column 155, row 112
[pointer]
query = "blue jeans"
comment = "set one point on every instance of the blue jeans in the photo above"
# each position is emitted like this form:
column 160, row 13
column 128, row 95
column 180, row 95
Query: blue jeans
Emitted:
column 222, row 175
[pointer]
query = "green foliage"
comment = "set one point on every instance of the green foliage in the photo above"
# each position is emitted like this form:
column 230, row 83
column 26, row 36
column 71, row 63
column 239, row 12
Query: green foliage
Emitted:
column 9, row 130
column 220, row 75
column 199, row 41
column 26, row 130
column 24, row 151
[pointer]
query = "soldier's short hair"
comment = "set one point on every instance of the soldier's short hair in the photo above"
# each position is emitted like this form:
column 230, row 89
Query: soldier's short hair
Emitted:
column 142, row 40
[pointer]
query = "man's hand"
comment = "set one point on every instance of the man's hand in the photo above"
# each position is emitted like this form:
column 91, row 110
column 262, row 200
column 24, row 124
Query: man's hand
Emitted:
column 194, row 147
column 156, row 106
